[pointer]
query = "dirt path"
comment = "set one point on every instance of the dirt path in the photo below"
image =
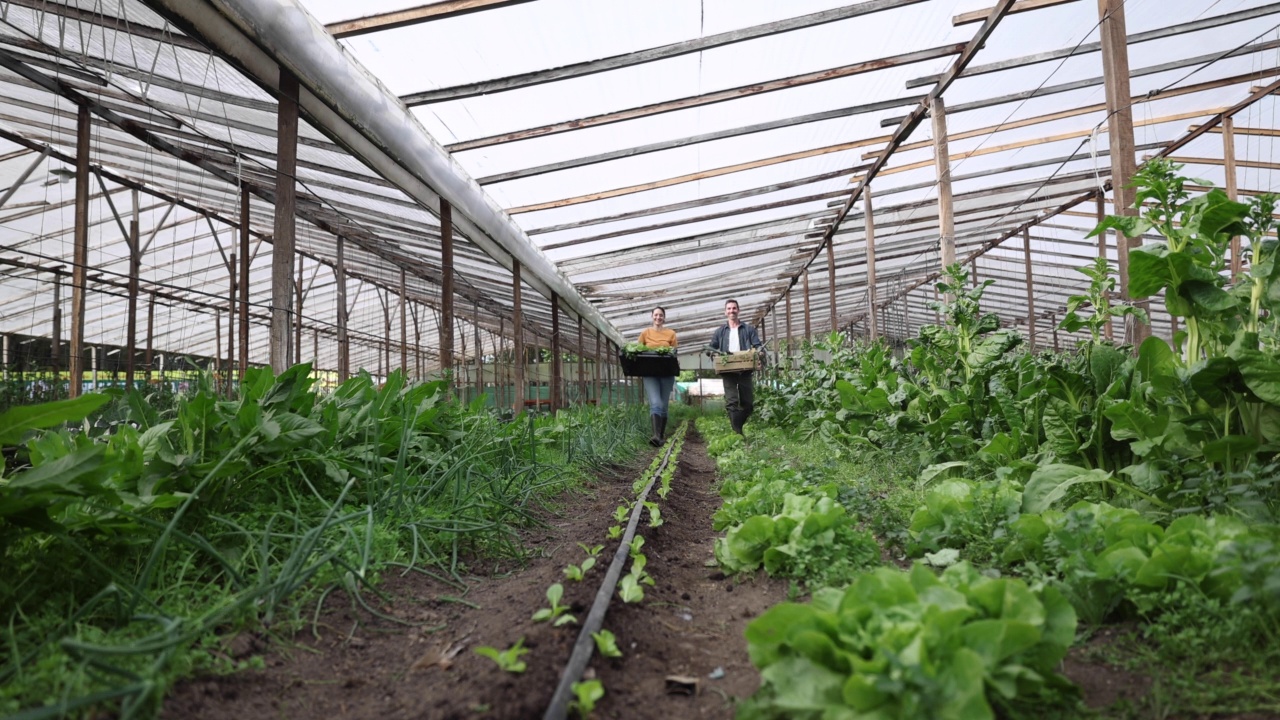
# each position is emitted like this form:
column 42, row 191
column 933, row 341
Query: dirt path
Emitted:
column 362, row 666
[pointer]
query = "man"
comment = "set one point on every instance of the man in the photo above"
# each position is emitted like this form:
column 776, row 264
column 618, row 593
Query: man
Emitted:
column 736, row 336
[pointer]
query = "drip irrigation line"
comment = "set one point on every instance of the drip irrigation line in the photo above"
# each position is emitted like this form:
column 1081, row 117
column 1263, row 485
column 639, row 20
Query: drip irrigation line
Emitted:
column 585, row 646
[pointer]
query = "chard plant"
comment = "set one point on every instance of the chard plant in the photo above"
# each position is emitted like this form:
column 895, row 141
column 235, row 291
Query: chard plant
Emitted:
column 1098, row 297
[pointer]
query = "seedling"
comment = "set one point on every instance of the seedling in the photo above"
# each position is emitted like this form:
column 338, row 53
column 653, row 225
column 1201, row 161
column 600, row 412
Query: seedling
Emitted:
column 508, row 660
column 557, row 612
column 638, row 563
column 588, row 693
column 615, row 532
column 655, row 515
column 592, row 551
column 576, row 573
column 621, row 512
column 636, row 543
column 606, row 643
column 629, row 589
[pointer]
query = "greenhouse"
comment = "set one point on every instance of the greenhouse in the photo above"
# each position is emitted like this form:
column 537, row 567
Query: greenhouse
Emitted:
column 334, row 378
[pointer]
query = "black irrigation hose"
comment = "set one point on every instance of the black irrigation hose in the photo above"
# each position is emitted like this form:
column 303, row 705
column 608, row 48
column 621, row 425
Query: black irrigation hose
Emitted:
column 585, row 645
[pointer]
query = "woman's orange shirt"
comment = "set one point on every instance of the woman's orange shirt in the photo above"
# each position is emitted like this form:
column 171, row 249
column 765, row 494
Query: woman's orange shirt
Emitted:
column 658, row 338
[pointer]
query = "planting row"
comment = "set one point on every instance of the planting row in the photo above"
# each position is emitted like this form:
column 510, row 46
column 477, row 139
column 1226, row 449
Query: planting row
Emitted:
column 138, row 543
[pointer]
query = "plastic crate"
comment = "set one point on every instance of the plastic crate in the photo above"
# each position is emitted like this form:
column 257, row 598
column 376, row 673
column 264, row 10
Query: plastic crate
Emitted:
column 649, row 364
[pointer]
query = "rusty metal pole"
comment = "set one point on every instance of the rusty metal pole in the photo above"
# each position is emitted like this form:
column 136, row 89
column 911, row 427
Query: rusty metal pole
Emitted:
column 344, row 351
column 283, row 245
column 80, row 253
column 517, row 328
column 1031, row 297
column 479, row 352
column 1116, row 80
column 869, row 227
column 244, row 279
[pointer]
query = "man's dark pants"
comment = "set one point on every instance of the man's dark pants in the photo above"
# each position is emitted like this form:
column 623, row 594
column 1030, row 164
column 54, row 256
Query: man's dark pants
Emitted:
column 739, row 398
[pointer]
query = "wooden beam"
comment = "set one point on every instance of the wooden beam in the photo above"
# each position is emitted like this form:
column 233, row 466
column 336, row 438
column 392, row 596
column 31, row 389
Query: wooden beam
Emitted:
column 701, row 175
column 245, row 260
column 711, row 98
column 344, row 350
column 869, row 225
column 1031, row 296
column 1229, row 170
column 22, row 177
column 446, row 287
column 630, row 59
column 80, row 252
column 582, row 370
column 789, row 326
column 1115, row 71
column 404, row 328
column 517, row 328
column 1238, row 130
column 808, row 321
column 413, row 16
column 831, row 281
column 942, row 162
column 283, row 241
column 974, row 16
column 231, row 322
column 556, row 388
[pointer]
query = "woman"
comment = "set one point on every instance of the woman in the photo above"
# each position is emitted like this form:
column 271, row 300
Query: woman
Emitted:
column 658, row 389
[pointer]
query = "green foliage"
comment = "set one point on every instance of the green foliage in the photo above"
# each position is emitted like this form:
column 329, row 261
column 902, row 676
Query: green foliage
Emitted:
column 586, row 694
column 632, row 348
column 606, row 644
column 911, row 645
column 557, row 612
column 508, row 660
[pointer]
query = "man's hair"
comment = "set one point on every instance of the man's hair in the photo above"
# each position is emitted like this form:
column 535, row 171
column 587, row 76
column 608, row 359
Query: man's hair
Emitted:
column 731, row 300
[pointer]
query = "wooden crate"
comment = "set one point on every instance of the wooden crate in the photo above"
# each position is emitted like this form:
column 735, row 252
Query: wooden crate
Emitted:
column 736, row 362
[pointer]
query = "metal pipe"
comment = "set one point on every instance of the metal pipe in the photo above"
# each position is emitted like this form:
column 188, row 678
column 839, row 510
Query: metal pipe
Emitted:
column 341, row 97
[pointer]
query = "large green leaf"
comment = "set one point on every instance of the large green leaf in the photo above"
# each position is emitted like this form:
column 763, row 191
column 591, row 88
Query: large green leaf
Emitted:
column 1207, row 296
column 1050, row 484
column 64, row 474
column 1261, row 373
column 1149, row 271
column 17, row 421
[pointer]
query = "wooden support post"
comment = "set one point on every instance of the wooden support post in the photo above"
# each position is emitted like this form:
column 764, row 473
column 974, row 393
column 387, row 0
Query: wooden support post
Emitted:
column 595, row 370
column 808, row 319
column 479, row 351
column 299, row 296
column 131, row 321
column 1031, row 297
column 231, row 321
column 404, row 327
column 1229, row 168
column 788, row 313
column 283, row 244
column 80, row 252
column 973, row 272
column 244, row 279
column 1109, row 333
column 446, row 286
column 1053, row 324
column 344, row 350
column 517, row 328
column 557, row 378
column 417, row 341
column 55, row 346
column 942, row 161
column 869, row 226
column 151, row 333
column 1115, row 73
column 773, row 315
column 831, row 280
column 582, row 370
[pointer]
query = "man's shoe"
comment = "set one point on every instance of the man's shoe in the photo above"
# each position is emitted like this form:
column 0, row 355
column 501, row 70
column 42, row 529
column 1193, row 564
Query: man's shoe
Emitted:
column 662, row 428
column 655, row 421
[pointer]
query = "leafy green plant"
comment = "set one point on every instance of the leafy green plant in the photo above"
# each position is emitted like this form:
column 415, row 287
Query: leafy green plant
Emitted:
column 606, row 644
column 1102, row 285
column 577, row 572
column 629, row 589
column 911, row 645
column 508, row 660
column 557, row 612
column 614, row 532
column 586, row 694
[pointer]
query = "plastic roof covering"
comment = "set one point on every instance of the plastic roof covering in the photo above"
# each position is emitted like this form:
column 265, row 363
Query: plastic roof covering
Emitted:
column 129, row 59
column 690, row 244
column 684, row 227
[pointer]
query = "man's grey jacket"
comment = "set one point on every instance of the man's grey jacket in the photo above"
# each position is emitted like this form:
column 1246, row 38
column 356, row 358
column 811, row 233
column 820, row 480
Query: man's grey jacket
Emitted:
column 748, row 338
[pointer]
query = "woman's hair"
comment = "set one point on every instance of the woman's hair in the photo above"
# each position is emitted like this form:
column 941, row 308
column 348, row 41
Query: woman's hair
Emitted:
column 659, row 307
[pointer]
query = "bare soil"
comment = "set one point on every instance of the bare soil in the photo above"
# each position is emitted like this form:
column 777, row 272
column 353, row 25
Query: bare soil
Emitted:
column 362, row 666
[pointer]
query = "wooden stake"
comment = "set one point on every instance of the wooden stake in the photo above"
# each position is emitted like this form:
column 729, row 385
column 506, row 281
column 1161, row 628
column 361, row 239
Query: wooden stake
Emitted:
column 446, row 286
column 244, row 279
column 344, row 349
column 942, row 161
column 517, row 328
column 80, row 253
column 1031, row 297
column 808, row 322
column 869, row 224
column 1229, row 168
column 283, row 241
